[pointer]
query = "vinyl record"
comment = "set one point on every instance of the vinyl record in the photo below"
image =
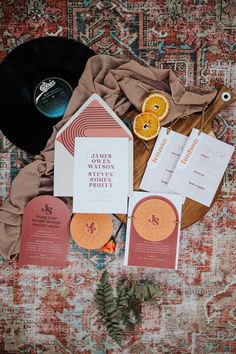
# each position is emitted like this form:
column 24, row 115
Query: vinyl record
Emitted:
column 37, row 80
column 155, row 219
column 91, row 231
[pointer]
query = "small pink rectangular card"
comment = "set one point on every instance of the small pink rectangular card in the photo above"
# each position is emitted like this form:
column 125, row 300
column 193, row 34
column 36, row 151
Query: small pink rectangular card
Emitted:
column 45, row 232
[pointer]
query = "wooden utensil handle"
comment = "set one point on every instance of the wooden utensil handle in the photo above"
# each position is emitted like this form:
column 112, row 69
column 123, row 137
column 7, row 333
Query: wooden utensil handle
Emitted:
column 194, row 120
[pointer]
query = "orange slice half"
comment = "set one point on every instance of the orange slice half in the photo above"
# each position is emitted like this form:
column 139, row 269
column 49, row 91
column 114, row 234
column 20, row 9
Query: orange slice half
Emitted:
column 157, row 104
column 146, row 126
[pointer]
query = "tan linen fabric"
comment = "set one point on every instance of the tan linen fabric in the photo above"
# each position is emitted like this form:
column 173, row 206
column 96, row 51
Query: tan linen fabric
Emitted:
column 122, row 83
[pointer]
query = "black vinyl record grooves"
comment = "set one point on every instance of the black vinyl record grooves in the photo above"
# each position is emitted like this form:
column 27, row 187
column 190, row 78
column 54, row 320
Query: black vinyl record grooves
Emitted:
column 37, row 80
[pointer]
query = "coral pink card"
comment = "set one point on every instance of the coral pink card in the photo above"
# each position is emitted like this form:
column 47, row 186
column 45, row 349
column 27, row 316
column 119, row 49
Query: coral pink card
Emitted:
column 45, row 232
column 153, row 228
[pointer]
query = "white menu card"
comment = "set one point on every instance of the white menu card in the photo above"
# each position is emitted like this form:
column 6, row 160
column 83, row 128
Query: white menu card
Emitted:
column 200, row 167
column 162, row 162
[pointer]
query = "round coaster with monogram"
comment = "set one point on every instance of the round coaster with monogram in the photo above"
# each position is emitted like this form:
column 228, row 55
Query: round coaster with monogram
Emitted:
column 91, row 231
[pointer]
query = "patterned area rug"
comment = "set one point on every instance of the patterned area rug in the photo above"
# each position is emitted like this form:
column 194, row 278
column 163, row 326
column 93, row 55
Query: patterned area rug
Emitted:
column 45, row 310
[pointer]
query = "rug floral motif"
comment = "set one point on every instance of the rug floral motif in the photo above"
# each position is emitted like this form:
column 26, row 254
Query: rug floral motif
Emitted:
column 45, row 310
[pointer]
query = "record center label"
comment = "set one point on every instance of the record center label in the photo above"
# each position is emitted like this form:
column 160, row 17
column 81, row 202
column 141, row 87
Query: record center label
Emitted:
column 52, row 96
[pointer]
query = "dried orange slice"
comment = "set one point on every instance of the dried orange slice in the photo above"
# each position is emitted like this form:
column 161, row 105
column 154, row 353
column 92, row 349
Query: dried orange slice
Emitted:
column 157, row 104
column 146, row 126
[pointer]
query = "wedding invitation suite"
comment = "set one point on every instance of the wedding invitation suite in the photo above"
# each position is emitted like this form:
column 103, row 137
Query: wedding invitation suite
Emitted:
column 153, row 227
column 101, row 175
column 200, row 167
column 161, row 164
column 93, row 119
column 45, row 232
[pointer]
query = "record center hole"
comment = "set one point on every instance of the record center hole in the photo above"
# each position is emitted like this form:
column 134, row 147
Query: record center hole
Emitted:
column 226, row 96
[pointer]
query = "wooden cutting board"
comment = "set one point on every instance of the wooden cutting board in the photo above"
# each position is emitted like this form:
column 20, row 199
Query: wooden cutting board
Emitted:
column 192, row 211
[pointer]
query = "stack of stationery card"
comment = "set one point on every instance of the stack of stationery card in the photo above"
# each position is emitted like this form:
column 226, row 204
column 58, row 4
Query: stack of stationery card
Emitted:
column 94, row 160
column 192, row 166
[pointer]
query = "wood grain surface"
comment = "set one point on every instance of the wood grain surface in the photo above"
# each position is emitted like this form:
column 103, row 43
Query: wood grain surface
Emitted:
column 192, row 211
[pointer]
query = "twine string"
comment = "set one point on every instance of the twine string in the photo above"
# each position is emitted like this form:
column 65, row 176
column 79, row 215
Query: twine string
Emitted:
column 182, row 116
column 203, row 123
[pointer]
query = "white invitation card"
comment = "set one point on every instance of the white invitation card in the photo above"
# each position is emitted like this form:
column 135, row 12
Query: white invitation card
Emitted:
column 101, row 175
column 94, row 118
column 162, row 162
column 200, row 167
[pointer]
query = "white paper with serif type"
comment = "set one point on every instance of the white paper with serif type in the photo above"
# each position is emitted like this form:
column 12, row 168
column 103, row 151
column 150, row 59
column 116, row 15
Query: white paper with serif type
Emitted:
column 101, row 170
column 162, row 162
column 201, row 167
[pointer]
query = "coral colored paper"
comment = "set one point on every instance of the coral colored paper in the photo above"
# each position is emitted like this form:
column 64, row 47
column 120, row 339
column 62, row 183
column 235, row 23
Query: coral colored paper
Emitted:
column 152, row 238
column 45, row 232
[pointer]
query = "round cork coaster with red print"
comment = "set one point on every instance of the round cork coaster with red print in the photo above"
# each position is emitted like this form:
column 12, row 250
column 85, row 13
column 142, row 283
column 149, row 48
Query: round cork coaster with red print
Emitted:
column 154, row 219
column 91, row 231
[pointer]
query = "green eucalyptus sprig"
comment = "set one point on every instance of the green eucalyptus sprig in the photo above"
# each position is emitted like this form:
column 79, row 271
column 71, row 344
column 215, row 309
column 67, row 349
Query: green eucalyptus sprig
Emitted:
column 125, row 309
column 107, row 308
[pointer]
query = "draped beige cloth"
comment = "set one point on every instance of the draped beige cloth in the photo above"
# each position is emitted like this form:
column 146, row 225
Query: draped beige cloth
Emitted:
column 122, row 83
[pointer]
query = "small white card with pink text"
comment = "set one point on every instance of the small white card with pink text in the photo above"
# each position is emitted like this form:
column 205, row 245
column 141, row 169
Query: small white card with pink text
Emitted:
column 101, row 175
column 161, row 164
column 201, row 167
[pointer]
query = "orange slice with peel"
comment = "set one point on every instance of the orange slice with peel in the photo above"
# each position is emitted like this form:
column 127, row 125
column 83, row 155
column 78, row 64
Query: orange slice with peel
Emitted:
column 146, row 126
column 157, row 104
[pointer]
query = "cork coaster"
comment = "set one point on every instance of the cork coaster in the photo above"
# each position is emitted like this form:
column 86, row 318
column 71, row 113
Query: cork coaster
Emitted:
column 91, row 231
column 154, row 219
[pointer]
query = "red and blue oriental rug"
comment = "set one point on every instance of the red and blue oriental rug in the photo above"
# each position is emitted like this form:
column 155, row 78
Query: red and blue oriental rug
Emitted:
column 45, row 310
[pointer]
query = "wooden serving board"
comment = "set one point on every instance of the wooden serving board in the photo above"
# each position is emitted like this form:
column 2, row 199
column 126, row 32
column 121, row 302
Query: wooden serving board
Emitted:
column 192, row 211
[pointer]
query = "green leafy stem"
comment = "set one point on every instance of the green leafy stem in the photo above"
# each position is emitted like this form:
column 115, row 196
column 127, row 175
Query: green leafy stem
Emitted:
column 125, row 309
